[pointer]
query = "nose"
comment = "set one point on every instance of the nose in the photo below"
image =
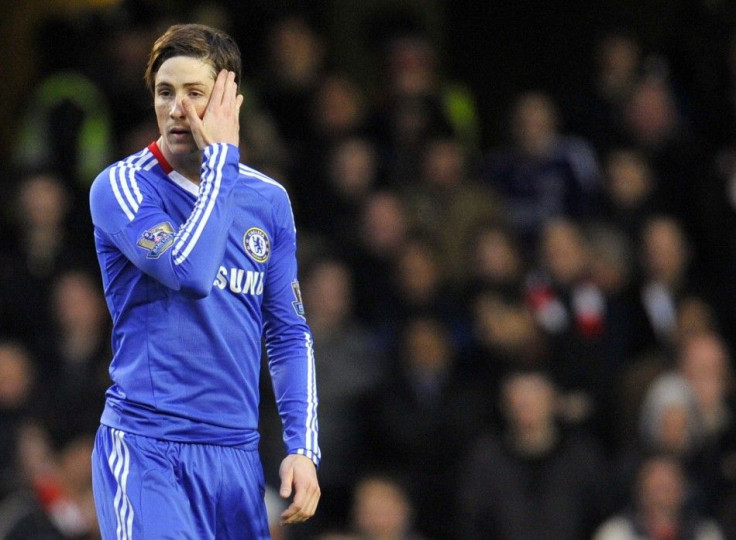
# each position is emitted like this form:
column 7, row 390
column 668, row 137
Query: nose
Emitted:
column 177, row 109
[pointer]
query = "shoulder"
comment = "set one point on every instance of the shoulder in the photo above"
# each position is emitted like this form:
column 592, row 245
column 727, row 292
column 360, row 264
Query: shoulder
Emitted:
column 263, row 184
column 120, row 186
column 126, row 172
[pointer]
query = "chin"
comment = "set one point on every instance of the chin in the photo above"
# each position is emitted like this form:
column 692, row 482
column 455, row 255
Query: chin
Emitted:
column 182, row 149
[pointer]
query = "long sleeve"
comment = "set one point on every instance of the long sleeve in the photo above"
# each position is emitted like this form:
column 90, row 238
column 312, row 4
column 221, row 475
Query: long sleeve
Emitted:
column 127, row 208
column 289, row 342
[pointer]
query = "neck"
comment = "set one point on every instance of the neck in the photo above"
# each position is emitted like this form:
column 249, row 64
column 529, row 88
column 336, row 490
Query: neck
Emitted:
column 188, row 165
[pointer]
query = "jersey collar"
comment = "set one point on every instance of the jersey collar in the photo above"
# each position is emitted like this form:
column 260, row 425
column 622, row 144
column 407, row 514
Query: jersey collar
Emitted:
column 179, row 179
column 156, row 151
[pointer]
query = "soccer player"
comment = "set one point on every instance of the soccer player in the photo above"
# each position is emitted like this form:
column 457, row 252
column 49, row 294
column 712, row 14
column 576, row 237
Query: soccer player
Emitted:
column 198, row 260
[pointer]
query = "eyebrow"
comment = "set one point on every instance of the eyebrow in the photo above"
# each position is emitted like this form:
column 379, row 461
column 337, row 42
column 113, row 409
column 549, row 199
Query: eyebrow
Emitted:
column 186, row 85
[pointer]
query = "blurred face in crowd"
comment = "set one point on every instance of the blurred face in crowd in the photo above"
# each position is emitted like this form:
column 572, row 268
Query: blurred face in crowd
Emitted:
column 694, row 316
column 384, row 223
column 618, row 62
column 296, row 51
column 77, row 302
column 629, row 179
column 534, row 122
column 15, row 376
column 496, row 257
column 651, row 113
column 327, row 294
column 661, row 487
column 381, row 509
column 43, row 201
column 419, row 273
column 444, row 163
column 338, row 106
column 179, row 77
column 564, row 251
column 665, row 250
column 704, row 362
column 353, row 169
column 528, row 402
column 427, row 347
column 412, row 67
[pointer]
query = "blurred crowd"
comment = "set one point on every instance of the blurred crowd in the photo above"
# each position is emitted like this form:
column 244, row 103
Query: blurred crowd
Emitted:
column 527, row 339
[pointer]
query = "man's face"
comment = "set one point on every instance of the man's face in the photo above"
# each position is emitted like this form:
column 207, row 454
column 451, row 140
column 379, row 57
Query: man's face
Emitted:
column 179, row 77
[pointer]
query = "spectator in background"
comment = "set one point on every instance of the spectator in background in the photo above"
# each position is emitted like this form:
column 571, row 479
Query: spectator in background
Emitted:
column 339, row 108
column 657, row 508
column 655, row 125
column 383, row 225
column 505, row 339
column 693, row 316
column 496, row 258
column 350, row 366
column 613, row 272
column 542, row 173
column 67, row 125
column 420, row 422
column 595, row 113
column 42, row 239
column 532, row 480
column 411, row 111
column 57, row 504
column 667, row 275
column 420, row 285
column 352, row 173
column 572, row 311
column 75, row 373
column 449, row 204
column 296, row 56
column 630, row 186
column 17, row 405
column 703, row 363
column 132, row 27
column 672, row 419
column 338, row 114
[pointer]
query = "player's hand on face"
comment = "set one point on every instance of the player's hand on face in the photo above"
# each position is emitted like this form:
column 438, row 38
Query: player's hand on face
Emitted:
column 220, row 122
column 299, row 477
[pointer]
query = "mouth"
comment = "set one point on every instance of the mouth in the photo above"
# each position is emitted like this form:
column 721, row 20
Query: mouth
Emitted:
column 179, row 132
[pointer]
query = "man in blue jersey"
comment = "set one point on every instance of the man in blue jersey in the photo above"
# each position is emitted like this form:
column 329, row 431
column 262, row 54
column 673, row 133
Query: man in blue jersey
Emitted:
column 198, row 259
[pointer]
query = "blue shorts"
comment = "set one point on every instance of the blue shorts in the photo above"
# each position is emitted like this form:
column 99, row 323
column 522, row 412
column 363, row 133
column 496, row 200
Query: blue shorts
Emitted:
column 148, row 488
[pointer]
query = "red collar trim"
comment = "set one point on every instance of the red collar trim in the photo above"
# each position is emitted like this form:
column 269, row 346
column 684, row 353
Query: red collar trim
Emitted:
column 156, row 151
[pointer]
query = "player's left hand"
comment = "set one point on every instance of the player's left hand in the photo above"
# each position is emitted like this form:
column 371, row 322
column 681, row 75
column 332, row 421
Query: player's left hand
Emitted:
column 298, row 476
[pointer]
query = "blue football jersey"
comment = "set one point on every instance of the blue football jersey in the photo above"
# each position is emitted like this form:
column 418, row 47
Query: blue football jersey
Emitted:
column 196, row 278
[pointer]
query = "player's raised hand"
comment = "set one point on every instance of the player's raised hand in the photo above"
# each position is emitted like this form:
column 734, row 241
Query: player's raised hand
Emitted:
column 220, row 122
column 299, row 476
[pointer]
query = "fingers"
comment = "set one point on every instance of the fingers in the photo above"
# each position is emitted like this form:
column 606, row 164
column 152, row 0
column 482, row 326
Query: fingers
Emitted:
column 225, row 90
column 218, row 91
column 195, row 122
column 221, row 121
column 303, row 507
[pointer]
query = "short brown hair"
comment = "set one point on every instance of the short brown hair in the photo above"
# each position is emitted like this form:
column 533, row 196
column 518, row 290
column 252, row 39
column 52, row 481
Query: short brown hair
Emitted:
column 197, row 41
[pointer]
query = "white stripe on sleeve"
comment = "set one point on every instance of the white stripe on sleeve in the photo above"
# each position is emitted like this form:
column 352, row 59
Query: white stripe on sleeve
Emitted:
column 197, row 221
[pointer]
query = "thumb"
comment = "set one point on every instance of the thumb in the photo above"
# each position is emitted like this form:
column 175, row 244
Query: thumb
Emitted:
column 286, row 481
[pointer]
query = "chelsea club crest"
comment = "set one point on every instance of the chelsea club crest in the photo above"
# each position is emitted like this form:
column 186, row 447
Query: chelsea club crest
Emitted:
column 257, row 244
